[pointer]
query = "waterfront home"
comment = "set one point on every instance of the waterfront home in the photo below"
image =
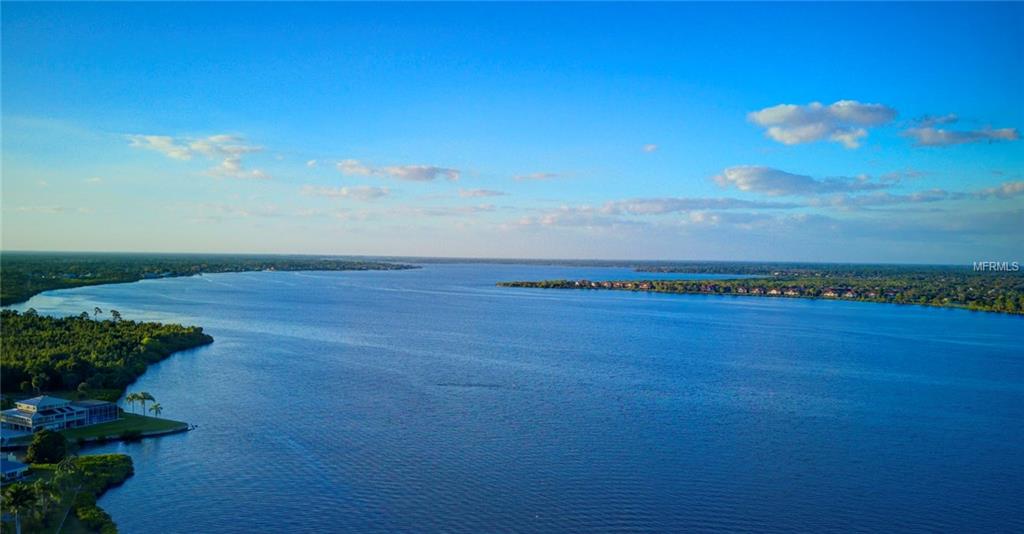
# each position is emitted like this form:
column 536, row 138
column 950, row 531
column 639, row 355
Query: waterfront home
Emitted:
column 12, row 469
column 792, row 292
column 54, row 413
column 774, row 291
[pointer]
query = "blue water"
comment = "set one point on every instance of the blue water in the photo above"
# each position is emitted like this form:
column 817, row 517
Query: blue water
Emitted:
column 432, row 400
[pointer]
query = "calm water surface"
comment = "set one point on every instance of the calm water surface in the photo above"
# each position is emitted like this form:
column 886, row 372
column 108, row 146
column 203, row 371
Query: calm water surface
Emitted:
column 433, row 400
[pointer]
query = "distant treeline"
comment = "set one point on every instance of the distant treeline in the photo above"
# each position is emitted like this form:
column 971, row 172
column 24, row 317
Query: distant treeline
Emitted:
column 25, row 274
column 83, row 353
column 994, row 292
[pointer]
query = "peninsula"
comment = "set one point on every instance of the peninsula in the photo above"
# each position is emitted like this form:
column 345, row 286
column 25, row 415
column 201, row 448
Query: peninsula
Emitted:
column 929, row 286
column 29, row 273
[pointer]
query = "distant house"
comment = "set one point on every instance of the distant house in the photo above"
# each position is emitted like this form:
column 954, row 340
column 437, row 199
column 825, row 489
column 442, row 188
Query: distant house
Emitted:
column 54, row 413
column 830, row 293
column 12, row 468
column 774, row 291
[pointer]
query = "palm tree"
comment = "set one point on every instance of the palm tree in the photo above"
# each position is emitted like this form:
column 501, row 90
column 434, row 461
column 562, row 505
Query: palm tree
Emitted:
column 116, row 315
column 46, row 493
column 68, row 476
column 143, row 397
column 18, row 498
column 156, row 409
column 130, row 399
column 96, row 311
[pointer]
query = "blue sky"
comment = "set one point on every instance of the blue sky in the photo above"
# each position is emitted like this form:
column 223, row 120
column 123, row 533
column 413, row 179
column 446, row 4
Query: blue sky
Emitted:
column 844, row 132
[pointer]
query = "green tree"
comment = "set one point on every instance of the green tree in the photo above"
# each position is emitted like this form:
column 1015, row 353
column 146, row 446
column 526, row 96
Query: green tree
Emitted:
column 143, row 397
column 130, row 399
column 47, row 447
column 96, row 311
column 116, row 315
column 46, row 494
column 156, row 409
column 18, row 498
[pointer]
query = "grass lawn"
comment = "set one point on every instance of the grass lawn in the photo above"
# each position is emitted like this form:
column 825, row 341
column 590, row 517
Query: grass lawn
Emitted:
column 128, row 422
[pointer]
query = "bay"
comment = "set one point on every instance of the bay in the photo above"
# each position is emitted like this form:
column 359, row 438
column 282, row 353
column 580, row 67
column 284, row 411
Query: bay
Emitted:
column 430, row 399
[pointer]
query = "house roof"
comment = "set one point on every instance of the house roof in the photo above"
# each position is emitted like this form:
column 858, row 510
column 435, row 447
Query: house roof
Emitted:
column 44, row 401
column 9, row 466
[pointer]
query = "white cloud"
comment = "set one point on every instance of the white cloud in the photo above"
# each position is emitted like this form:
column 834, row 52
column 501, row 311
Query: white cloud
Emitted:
column 537, row 176
column 229, row 149
column 163, row 144
column 845, row 121
column 311, row 163
column 931, row 136
column 660, row 206
column 352, row 167
column 421, row 173
column 415, row 173
column 41, row 209
column 650, row 148
column 774, row 182
column 453, row 211
column 478, row 193
column 882, row 198
column 1004, row 190
column 362, row 192
column 95, row 180
column 231, row 167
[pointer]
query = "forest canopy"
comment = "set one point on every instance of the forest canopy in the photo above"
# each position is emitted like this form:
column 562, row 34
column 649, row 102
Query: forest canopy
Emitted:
column 84, row 353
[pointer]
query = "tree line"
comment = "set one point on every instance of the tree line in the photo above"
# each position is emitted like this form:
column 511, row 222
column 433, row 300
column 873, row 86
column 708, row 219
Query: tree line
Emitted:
column 28, row 273
column 994, row 292
column 84, row 352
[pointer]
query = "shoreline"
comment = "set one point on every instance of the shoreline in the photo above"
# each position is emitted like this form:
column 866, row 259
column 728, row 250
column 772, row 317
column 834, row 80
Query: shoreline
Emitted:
column 749, row 287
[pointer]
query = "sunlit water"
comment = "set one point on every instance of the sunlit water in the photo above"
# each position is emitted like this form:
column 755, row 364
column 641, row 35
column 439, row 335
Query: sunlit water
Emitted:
column 433, row 400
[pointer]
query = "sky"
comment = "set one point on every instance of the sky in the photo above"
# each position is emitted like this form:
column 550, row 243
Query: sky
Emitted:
column 795, row 132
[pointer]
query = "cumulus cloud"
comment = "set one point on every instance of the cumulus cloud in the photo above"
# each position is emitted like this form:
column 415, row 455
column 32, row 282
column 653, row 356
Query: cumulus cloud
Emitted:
column 774, row 182
column 421, row 173
column 229, row 149
column 845, row 121
column 415, row 173
column 311, row 163
column 537, row 176
column 932, row 136
column 650, row 148
column 479, row 193
column 362, row 192
column 352, row 167
column 231, row 167
column 1003, row 190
